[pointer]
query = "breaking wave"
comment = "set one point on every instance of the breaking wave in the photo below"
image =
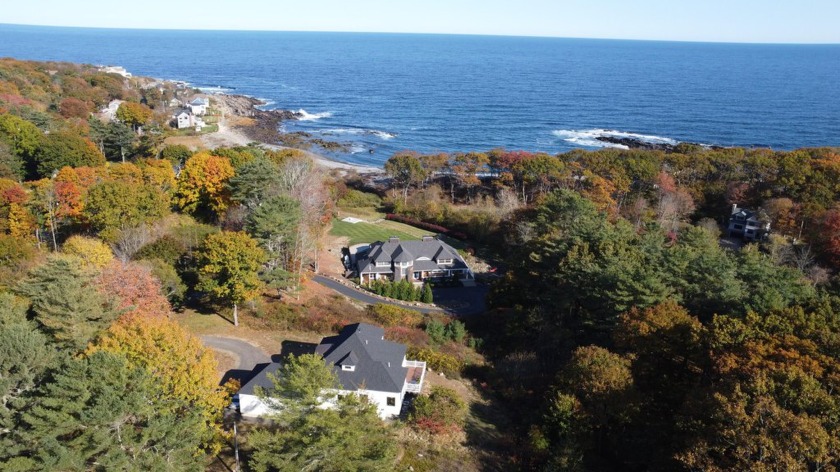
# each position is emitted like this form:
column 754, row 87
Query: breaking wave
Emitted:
column 216, row 89
column 306, row 116
column 589, row 137
column 384, row 135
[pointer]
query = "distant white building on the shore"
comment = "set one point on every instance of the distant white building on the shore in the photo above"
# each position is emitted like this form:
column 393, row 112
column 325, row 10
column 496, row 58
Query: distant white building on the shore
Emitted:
column 115, row 70
column 199, row 106
column 109, row 113
column 185, row 119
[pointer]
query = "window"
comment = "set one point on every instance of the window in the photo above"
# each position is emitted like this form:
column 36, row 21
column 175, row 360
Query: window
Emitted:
column 738, row 226
column 392, row 401
column 444, row 261
column 417, row 276
column 349, row 368
column 383, row 264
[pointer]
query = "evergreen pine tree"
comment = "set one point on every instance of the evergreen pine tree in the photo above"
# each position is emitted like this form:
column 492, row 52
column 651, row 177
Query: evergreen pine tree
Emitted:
column 65, row 302
column 426, row 296
column 100, row 413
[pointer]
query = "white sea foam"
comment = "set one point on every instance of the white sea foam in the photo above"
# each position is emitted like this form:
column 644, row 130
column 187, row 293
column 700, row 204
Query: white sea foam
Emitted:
column 384, row 135
column 306, row 116
column 215, row 89
column 357, row 149
column 266, row 102
column 589, row 137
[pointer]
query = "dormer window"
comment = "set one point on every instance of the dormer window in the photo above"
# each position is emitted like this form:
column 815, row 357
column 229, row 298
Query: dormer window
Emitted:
column 383, row 264
column 444, row 261
column 348, row 368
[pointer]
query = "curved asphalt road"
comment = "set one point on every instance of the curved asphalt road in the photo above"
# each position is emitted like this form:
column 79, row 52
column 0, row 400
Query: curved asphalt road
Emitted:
column 246, row 354
column 364, row 297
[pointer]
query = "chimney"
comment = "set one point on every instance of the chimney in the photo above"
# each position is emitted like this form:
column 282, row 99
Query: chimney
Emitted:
column 734, row 208
column 389, row 363
column 394, row 239
column 428, row 238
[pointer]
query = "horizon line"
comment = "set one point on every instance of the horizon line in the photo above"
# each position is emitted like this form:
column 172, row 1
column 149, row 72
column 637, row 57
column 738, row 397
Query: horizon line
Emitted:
column 502, row 35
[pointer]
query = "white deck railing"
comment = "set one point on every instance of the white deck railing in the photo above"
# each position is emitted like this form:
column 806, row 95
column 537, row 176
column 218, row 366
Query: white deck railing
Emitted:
column 411, row 385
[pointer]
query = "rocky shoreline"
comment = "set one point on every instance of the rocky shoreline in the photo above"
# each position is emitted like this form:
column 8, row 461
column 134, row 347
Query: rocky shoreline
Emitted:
column 264, row 125
column 636, row 143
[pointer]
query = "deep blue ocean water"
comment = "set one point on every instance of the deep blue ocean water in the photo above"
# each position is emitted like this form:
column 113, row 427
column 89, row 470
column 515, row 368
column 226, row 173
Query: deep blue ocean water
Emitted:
column 389, row 92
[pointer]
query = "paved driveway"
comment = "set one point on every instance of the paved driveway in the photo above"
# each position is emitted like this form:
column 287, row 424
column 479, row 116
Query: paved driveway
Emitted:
column 364, row 297
column 460, row 301
column 246, row 354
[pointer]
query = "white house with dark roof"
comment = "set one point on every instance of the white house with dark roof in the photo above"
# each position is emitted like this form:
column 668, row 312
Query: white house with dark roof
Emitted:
column 199, row 106
column 365, row 363
column 416, row 261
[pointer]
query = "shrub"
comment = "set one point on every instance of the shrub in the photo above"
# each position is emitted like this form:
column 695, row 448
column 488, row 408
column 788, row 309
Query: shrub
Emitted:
column 409, row 336
column 441, row 411
column 436, row 331
column 426, row 296
column 440, row 333
column 176, row 153
column 93, row 253
column 402, row 290
column 438, row 361
column 456, row 331
column 357, row 199
column 390, row 315
column 427, row 226
column 167, row 248
column 170, row 282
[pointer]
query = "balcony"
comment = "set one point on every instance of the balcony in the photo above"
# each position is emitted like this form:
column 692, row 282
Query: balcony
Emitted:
column 415, row 375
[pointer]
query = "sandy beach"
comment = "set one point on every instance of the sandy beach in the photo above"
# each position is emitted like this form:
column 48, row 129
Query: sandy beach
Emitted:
column 230, row 134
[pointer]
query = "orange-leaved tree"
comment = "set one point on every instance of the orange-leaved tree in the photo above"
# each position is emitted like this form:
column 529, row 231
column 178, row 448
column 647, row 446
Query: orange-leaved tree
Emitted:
column 203, row 185
column 137, row 290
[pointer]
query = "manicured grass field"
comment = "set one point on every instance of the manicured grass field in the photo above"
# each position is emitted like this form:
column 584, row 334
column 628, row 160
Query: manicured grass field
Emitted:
column 369, row 232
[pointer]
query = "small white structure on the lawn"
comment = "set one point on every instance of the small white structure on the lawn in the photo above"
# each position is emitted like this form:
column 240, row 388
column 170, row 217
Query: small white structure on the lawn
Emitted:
column 365, row 363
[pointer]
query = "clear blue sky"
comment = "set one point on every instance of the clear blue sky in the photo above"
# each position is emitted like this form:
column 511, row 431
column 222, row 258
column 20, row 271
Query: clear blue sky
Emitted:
column 800, row 21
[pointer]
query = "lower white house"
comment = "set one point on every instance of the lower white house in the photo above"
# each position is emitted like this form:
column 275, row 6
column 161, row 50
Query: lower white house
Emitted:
column 365, row 363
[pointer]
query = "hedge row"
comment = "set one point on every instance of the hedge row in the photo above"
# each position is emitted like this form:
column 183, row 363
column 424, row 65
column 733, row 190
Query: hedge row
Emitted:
column 428, row 226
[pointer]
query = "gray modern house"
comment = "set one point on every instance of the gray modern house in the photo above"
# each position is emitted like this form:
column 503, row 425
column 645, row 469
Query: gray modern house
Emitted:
column 747, row 224
column 366, row 364
column 415, row 261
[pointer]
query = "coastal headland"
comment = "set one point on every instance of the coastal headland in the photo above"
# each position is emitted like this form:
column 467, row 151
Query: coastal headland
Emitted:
column 242, row 122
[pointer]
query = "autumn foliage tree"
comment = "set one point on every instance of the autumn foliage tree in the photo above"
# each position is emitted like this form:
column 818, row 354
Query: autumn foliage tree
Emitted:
column 203, row 185
column 228, row 263
column 179, row 363
column 93, row 253
column 134, row 287
column 134, row 114
column 73, row 108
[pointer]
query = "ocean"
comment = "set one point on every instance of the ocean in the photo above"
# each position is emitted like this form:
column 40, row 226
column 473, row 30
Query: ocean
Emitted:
column 383, row 93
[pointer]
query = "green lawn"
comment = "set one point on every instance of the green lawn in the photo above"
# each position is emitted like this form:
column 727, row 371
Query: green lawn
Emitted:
column 369, row 232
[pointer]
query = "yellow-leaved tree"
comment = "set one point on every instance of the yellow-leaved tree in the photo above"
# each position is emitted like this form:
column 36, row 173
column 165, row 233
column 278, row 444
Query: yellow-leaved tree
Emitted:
column 228, row 263
column 181, row 366
column 93, row 253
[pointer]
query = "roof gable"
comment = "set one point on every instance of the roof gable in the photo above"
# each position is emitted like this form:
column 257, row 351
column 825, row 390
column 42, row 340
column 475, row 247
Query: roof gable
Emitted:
column 378, row 363
column 428, row 249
